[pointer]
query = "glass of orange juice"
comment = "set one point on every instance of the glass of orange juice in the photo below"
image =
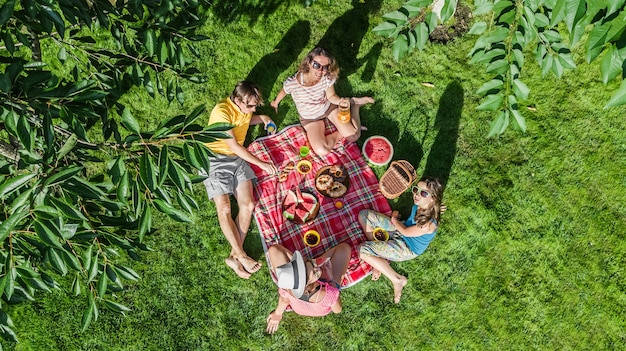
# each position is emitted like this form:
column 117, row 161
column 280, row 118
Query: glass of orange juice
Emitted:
column 344, row 110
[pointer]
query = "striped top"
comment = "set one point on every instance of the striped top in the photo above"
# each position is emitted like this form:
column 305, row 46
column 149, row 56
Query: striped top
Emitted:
column 311, row 102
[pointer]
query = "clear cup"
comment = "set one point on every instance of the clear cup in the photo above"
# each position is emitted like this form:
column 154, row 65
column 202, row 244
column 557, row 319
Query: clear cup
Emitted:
column 344, row 111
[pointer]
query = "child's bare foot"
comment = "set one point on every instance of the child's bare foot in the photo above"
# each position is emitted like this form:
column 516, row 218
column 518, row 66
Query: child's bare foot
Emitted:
column 363, row 128
column 397, row 289
column 237, row 267
column 249, row 264
column 375, row 274
column 363, row 100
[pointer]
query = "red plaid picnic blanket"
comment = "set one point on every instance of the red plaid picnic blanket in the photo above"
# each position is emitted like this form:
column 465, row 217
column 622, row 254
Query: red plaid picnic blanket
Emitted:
column 335, row 225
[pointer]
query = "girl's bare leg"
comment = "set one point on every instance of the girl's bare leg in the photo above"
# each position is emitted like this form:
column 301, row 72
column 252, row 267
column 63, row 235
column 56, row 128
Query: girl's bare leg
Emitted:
column 320, row 143
column 382, row 265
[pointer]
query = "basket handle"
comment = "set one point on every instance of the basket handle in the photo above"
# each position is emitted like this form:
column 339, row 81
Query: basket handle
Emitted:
column 406, row 168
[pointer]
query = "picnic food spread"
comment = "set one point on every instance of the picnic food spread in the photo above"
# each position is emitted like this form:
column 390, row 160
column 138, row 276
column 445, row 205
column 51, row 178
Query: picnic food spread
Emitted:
column 300, row 206
column 284, row 173
column 332, row 181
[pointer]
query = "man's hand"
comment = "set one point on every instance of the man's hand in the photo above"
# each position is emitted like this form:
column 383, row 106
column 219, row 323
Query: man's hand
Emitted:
column 273, row 320
column 268, row 168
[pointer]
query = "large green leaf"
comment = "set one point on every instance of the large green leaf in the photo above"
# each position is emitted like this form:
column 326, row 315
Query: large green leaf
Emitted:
column 619, row 97
column 611, row 64
column 171, row 211
column 396, row 16
column 498, row 67
column 520, row 89
column 6, row 11
column 478, row 28
column 11, row 222
column 491, row 103
column 421, row 35
column 56, row 261
column 596, row 41
column 14, row 183
column 48, row 233
column 494, row 84
column 400, row 47
column 88, row 313
column 519, row 122
column 145, row 222
column 129, row 122
column 63, row 175
column 385, row 29
column 147, row 171
column 448, row 9
column 498, row 125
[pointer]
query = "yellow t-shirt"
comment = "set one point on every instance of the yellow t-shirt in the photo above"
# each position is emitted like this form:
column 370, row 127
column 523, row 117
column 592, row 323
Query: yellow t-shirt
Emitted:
column 227, row 111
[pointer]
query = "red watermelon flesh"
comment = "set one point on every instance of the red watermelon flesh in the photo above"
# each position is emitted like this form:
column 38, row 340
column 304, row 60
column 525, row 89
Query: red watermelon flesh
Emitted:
column 301, row 214
column 290, row 199
column 308, row 206
column 378, row 150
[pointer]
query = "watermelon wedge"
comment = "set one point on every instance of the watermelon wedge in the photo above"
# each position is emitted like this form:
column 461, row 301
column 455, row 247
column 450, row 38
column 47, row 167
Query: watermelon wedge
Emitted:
column 378, row 150
column 300, row 206
column 290, row 199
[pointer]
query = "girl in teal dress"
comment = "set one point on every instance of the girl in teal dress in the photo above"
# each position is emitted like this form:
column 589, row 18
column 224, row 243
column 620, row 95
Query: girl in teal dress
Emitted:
column 406, row 240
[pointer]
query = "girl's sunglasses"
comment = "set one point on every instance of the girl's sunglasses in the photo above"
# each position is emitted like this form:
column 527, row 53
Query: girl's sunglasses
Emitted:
column 316, row 66
column 419, row 191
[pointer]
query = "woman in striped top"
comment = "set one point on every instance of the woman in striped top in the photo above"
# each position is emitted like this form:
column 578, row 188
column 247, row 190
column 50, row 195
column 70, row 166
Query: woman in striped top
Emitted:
column 312, row 89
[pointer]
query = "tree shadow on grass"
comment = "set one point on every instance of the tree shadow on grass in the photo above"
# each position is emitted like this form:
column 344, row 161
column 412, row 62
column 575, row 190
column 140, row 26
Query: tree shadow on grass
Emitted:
column 443, row 151
column 236, row 10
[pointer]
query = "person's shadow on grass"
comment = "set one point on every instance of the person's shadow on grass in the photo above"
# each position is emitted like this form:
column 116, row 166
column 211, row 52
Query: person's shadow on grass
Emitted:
column 443, row 151
column 266, row 71
column 343, row 39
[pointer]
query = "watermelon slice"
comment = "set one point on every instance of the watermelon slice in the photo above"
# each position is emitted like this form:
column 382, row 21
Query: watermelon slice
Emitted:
column 302, row 215
column 378, row 150
column 290, row 199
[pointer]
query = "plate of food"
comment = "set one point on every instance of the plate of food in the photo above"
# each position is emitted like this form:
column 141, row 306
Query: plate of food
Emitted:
column 300, row 206
column 332, row 181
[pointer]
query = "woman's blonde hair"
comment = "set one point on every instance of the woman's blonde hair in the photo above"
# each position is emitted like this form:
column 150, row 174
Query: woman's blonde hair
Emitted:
column 333, row 68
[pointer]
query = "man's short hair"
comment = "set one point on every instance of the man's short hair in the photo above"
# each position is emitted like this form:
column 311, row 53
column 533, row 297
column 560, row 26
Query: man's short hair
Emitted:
column 246, row 90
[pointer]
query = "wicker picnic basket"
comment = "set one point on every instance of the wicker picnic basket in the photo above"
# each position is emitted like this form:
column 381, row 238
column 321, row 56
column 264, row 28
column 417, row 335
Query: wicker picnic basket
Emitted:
column 397, row 179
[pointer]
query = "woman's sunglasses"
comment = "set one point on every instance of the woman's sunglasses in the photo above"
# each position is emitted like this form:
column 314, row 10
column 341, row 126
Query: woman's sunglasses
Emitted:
column 316, row 66
column 419, row 191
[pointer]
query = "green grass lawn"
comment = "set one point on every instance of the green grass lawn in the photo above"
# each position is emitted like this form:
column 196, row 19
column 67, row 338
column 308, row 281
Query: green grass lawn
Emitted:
column 530, row 254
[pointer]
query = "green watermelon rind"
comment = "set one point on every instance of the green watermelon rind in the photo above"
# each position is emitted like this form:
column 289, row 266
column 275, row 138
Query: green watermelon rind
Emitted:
column 372, row 161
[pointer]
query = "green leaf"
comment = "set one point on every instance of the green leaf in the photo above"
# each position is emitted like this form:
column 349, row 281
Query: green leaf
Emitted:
column 147, row 171
column 491, row 103
column 11, row 222
column 170, row 91
column 519, row 122
column 448, row 9
column 431, row 20
column 520, row 89
column 110, row 273
column 63, row 175
column 546, row 64
column 123, row 188
column 421, row 35
column 129, row 122
column 498, row 67
column 611, row 64
column 6, row 11
column 102, row 284
column 619, row 97
column 190, row 156
column 71, row 211
column 76, row 288
column 478, row 28
column 171, row 211
column 180, row 95
column 145, row 222
column 87, row 314
column 116, row 307
column 498, row 125
column 596, row 41
column 396, row 17
column 558, row 12
column 67, row 146
column 574, row 12
column 163, row 164
column 557, row 68
column 14, row 183
column 56, row 261
column 93, row 268
column 48, row 233
column 483, row 8
column 385, row 29
column 62, row 54
column 58, row 21
column 87, row 257
column 147, row 83
column 150, row 42
column 494, row 84
column 25, row 133
column 541, row 20
column 497, row 35
column 126, row 273
column 614, row 6
column 400, row 47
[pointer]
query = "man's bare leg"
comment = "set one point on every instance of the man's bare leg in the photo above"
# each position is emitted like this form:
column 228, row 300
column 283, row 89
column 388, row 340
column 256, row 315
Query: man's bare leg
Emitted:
column 245, row 202
column 231, row 233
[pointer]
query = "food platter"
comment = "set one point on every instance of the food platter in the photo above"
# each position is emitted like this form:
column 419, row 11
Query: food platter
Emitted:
column 300, row 206
column 332, row 181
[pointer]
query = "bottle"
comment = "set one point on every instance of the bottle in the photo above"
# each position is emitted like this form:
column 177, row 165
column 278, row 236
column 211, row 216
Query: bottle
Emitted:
column 344, row 111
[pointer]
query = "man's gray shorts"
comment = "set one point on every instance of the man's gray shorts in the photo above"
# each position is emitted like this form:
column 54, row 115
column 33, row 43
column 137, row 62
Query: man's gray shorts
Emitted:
column 225, row 175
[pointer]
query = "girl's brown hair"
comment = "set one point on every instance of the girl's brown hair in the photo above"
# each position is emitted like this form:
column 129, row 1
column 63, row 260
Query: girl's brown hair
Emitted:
column 424, row 215
column 333, row 68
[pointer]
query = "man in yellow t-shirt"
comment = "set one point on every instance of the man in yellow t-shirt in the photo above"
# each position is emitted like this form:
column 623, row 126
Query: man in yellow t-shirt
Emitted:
column 231, row 174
